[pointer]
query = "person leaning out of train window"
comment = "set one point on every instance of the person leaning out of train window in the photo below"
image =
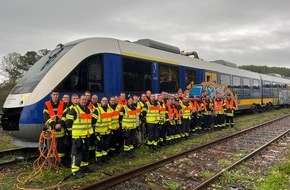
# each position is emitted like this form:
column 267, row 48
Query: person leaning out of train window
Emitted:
column 80, row 121
column 53, row 112
column 103, row 115
column 128, row 115
column 230, row 107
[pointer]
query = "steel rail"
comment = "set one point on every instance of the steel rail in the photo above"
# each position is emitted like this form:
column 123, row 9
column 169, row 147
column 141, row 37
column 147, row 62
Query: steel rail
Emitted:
column 114, row 180
column 252, row 154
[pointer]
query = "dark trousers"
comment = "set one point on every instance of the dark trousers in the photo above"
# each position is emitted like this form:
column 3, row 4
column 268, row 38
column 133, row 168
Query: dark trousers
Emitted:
column 60, row 146
column 185, row 127
column 207, row 121
column 229, row 121
column 129, row 136
column 153, row 133
column 219, row 120
column 116, row 140
column 162, row 133
column 102, row 144
column 79, row 153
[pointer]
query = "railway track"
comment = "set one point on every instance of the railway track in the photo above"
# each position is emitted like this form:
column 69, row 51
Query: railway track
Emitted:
column 11, row 156
column 198, row 167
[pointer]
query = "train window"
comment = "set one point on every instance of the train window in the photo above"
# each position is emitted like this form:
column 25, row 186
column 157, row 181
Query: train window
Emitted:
column 267, row 87
column 256, row 87
column 246, row 86
column 190, row 75
column 88, row 75
column 236, row 87
column 136, row 75
column 169, row 78
column 284, row 86
column 225, row 80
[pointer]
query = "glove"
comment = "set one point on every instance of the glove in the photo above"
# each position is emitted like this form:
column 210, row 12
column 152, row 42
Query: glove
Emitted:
column 44, row 128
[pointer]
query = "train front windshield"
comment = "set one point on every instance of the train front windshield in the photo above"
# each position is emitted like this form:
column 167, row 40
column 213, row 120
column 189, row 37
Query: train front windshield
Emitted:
column 34, row 75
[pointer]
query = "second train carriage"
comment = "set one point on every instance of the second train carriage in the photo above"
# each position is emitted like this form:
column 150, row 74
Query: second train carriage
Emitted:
column 108, row 66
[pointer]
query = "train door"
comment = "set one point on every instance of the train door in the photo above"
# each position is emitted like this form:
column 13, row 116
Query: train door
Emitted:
column 210, row 77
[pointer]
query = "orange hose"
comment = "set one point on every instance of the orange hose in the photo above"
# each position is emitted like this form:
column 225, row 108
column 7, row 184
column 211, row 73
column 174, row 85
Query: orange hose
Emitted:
column 48, row 159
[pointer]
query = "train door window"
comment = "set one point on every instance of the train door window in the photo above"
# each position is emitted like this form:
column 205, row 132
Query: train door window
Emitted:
column 88, row 75
column 267, row 88
column 275, row 89
column 256, row 87
column 246, row 87
column 211, row 77
column 236, row 87
column 168, row 78
column 136, row 75
column 284, row 86
column 190, row 76
column 225, row 80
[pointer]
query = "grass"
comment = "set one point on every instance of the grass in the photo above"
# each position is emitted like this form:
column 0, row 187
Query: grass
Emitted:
column 120, row 164
column 278, row 178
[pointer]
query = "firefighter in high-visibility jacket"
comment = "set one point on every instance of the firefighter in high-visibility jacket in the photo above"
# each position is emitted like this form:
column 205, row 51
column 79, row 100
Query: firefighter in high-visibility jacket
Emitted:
column 53, row 112
column 170, row 122
column 92, row 105
column 151, row 112
column 162, row 130
column 219, row 112
column 230, row 107
column 207, row 107
column 103, row 115
column 186, row 117
column 128, row 115
column 80, row 121
column 196, row 117
column 116, row 131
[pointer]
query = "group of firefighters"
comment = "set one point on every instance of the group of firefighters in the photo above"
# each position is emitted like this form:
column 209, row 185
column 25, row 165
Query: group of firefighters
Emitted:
column 83, row 125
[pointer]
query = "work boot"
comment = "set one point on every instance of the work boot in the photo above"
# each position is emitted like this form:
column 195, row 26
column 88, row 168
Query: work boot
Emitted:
column 86, row 169
column 99, row 161
column 150, row 148
column 77, row 174
column 105, row 159
column 156, row 148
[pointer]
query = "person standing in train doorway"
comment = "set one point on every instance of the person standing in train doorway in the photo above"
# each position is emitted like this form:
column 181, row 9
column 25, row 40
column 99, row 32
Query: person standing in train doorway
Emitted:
column 230, row 107
column 53, row 112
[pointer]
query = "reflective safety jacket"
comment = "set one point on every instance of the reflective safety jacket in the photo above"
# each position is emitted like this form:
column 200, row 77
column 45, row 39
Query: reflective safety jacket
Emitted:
column 219, row 106
column 194, row 106
column 115, row 117
column 104, row 120
column 53, row 114
column 206, row 106
column 129, row 117
column 186, row 110
column 162, row 112
column 230, row 106
column 152, row 113
column 82, row 125
column 173, row 114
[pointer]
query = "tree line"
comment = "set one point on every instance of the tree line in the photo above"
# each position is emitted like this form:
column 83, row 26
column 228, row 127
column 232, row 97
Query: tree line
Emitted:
column 283, row 71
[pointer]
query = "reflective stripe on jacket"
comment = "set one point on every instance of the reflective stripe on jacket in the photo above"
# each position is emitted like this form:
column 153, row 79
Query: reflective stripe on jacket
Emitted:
column 82, row 125
column 104, row 120
column 129, row 118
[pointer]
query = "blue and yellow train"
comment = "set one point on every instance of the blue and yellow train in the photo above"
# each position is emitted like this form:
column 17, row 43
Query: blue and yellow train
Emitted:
column 108, row 66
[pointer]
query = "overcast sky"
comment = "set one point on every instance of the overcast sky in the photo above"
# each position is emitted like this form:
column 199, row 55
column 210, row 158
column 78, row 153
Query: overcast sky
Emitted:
column 241, row 31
